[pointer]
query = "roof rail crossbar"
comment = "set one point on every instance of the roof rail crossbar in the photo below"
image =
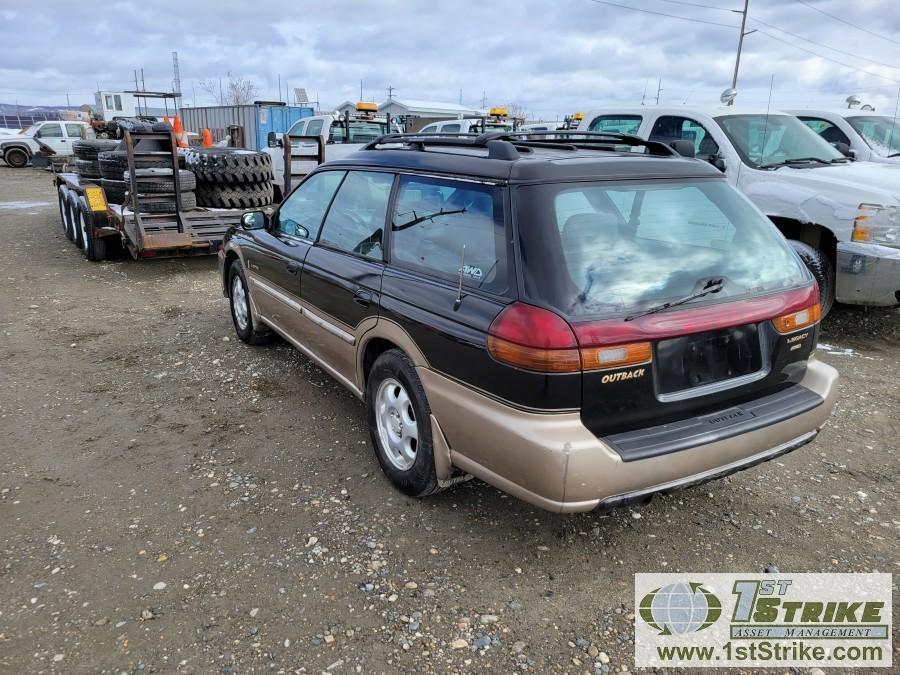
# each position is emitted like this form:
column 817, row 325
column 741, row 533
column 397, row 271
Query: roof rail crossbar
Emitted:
column 580, row 139
column 523, row 140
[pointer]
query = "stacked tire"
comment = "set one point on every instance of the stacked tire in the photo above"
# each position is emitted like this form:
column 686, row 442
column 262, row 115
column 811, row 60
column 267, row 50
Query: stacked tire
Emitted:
column 113, row 165
column 87, row 164
column 156, row 189
column 231, row 179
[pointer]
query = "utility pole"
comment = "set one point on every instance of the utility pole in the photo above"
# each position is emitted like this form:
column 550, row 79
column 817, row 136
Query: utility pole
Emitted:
column 483, row 99
column 360, row 90
column 737, row 60
column 390, row 91
column 176, row 80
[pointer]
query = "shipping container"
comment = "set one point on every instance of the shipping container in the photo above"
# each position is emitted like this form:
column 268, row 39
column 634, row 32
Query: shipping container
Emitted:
column 255, row 121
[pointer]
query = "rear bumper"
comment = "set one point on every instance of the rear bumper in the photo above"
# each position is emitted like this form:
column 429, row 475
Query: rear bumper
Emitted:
column 867, row 274
column 553, row 461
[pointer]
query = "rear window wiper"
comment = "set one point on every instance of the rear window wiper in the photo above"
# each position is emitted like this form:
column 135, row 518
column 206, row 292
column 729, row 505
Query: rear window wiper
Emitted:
column 711, row 286
column 896, row 154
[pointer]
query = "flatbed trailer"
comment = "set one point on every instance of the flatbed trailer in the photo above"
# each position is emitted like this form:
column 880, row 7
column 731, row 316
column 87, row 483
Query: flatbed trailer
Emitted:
column 98, row 227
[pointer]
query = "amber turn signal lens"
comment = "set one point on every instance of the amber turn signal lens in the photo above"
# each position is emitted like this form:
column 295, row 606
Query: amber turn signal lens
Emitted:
column 797, row 320
column 533, row 358
column 616, row 356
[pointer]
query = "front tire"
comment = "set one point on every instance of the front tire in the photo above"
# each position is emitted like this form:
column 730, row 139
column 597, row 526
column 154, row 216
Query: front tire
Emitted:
column 400, row 424
column 823, row 271
column 247, row 327
column 16, row 158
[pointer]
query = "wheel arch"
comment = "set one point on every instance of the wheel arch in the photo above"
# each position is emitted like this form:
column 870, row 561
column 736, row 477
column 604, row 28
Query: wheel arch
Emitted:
column 24, row 147
column 815, row 235
column 383, row 336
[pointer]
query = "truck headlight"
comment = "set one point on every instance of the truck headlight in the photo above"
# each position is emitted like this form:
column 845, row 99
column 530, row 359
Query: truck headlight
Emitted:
column 876, row 224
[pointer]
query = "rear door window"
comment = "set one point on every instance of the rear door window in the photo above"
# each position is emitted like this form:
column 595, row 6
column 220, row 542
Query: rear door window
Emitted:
column 355, row 221
column 441, row 225
column 74, row 130
column 617, row 124
column 450, row 128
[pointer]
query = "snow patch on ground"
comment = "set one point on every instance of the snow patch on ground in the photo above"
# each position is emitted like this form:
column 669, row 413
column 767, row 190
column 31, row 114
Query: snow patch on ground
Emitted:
column 22, row 205
column 834, row 350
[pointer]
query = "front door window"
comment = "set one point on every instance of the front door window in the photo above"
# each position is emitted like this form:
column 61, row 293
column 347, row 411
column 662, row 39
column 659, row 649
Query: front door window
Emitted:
column 355, row 221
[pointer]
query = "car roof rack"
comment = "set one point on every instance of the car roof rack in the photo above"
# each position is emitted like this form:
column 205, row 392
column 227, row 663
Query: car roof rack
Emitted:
column 509, row 145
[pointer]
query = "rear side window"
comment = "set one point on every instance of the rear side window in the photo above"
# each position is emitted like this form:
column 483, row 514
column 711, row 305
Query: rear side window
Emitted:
column 616, row 124
column 314, row 128
column 74, row 130
column 450, row 128
column 435, row 218
column 355, row 221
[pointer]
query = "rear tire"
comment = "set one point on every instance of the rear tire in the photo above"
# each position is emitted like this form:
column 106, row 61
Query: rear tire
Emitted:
column 247, row 327
column 823, row 271
column 400, row 424
column 94, row 248
column 16, row 158
column 62, row 195
column 72, row 219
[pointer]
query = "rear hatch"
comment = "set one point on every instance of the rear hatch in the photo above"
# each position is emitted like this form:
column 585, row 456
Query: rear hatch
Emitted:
column 685, row 301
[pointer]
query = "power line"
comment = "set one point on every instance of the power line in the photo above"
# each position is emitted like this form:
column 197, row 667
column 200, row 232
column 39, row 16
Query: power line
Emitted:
column 828, row 58
column 834, row 49
column 671, row 16
column 837, row 18
column 697, row 4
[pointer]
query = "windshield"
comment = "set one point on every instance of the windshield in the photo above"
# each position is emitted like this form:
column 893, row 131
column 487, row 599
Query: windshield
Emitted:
column 612, row 249
column 881, row 133
column 775, row 139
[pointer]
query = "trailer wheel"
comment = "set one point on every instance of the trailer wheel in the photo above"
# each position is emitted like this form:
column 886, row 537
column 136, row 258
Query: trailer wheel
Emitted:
column 61, row 195
column 94, row 248
column 72, row 218
column 16, row 158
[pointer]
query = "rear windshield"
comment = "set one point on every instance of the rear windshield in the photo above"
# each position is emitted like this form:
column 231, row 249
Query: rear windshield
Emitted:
column 607, row 249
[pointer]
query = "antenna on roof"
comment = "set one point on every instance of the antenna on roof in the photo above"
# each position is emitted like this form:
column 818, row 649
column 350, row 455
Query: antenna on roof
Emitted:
column 727, row 97
column 852, row 100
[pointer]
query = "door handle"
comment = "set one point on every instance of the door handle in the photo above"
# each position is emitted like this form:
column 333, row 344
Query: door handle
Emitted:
column 362, row 297
column 293, row 268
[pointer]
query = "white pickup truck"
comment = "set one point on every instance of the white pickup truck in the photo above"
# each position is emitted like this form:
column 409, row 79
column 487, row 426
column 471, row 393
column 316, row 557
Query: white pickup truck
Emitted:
column 341, row 134
column 867, row 136
column 55, row 137
column 842, row 217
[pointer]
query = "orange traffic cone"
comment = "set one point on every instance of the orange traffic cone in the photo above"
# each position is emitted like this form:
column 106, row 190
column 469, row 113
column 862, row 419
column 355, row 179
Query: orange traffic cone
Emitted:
column 180, row 135
column 207, row 140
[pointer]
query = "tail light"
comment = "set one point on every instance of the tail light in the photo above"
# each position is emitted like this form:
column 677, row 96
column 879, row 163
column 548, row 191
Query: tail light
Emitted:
column 788, row 323
column 537, row 339
column 534, row 339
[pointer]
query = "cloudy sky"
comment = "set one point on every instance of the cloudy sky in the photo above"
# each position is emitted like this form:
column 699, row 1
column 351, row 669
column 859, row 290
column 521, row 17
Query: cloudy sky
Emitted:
column 550, row 57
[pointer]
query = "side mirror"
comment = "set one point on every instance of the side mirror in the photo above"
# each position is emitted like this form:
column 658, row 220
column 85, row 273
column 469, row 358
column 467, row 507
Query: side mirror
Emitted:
column 683, row 148
column 253, row 220
column 843, row 148
column 717, row 161
column 273, row 140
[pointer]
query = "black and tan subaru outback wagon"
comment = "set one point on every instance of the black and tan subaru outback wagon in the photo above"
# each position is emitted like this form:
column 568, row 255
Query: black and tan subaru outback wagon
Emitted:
column 580, row 320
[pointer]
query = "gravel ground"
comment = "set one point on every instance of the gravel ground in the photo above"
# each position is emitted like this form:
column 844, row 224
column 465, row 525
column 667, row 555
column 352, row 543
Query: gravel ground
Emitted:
column 173, row 500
